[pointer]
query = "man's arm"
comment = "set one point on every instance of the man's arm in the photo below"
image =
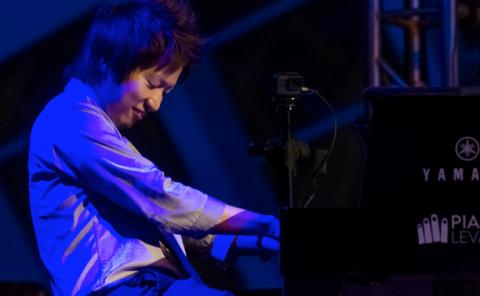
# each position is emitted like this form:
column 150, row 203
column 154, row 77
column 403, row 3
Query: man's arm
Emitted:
column 240, row 221
column 90, row 150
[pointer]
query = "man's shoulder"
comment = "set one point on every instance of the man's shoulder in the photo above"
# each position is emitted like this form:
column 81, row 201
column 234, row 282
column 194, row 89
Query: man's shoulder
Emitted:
column 69, row 109
column 66, row 117
column 56, row 114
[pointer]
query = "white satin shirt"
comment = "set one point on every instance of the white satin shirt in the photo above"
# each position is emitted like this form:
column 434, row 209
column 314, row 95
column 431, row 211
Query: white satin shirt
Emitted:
column 100, row 210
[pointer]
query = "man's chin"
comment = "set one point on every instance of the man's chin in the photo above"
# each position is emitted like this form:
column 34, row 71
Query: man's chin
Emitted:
column 125, row 125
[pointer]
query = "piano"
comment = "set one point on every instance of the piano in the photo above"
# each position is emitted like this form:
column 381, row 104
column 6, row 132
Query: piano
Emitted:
column 420, row 204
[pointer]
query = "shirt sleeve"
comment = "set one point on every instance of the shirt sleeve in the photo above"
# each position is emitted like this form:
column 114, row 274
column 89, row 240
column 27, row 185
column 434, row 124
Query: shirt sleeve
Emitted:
column 217, row 246
column 89, row 149
column 211, row 249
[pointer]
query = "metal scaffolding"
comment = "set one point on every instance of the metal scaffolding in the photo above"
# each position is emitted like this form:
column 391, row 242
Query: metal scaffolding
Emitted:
column 413, row 19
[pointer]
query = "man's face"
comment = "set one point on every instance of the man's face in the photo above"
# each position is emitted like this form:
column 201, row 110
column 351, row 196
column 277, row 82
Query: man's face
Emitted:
column 142, row 93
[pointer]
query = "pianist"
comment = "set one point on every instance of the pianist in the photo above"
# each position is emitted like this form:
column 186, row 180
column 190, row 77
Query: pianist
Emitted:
column 107, row 220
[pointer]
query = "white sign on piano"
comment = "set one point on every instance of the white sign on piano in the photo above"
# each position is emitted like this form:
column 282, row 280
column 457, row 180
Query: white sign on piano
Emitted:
column 456, row 229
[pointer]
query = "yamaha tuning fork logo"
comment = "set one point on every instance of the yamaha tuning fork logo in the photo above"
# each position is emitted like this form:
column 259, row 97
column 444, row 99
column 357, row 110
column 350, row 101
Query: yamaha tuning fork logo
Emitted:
column 456, row 229
column 467, row 150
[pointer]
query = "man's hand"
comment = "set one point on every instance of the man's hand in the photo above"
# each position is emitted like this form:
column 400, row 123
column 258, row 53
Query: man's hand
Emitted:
column 239, row 221
column 274, row 228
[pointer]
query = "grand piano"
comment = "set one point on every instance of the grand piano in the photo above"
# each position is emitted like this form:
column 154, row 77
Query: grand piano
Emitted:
column 420, row 205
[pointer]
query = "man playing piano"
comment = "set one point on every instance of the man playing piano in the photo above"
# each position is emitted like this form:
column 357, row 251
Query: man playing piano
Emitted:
column 107, row 220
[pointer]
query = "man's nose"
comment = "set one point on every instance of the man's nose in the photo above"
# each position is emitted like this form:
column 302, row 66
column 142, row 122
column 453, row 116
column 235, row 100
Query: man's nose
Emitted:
column 153, row 104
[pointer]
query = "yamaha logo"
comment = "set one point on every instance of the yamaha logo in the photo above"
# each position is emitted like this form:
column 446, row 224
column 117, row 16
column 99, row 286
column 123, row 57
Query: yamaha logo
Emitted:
column 467, row 148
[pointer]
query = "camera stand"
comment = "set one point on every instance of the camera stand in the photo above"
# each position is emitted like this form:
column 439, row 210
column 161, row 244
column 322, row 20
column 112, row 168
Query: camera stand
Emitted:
column 292, row 150
column 287, row 89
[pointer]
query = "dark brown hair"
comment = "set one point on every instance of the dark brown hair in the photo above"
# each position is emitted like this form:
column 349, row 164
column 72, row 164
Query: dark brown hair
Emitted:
column 137, row 35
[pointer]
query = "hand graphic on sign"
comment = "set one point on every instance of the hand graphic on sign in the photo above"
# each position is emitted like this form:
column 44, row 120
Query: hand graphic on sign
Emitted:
column 432, row 230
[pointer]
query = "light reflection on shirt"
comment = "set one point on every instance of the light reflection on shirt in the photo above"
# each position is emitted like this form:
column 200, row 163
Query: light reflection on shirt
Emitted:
column 100, row 210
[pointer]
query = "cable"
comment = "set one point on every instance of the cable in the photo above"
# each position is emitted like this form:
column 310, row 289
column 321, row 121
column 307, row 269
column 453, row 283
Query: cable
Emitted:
column 316, row 173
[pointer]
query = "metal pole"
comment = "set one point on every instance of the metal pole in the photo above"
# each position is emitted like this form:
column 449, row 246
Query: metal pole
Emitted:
column 374, row 40
column 450, row 50
column 414, row 45
column 289, row 153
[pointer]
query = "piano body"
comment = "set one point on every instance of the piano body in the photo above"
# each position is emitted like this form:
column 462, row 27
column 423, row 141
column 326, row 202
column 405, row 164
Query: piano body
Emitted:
column 420, row 205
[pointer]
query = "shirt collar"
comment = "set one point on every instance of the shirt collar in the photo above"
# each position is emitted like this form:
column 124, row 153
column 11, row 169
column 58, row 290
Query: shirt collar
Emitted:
column 82, row 89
